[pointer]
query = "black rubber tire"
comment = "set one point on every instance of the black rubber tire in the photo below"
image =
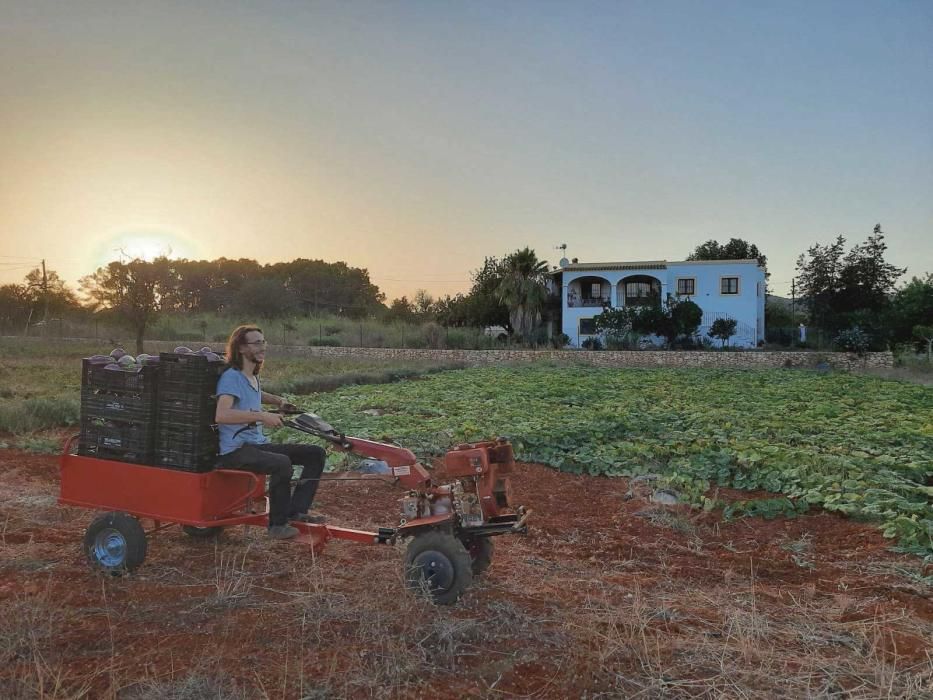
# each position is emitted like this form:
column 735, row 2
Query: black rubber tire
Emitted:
column 115, row 543
column 202, row 533
column 481, row 550
column 437, row 563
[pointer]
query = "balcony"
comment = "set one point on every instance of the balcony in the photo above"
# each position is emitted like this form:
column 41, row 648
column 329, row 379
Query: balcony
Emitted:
column 574, row 302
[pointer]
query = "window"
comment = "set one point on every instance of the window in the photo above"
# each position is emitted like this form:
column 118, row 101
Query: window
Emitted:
column 686, row 286
column 641, row 290
column 596, row 290
column 728, row 285
column 587, row 326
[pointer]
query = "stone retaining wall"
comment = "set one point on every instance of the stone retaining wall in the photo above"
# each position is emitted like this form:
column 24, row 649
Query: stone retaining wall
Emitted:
column 601, row 358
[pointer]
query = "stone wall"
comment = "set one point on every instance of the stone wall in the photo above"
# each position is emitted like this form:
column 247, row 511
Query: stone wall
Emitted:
column 602, row 358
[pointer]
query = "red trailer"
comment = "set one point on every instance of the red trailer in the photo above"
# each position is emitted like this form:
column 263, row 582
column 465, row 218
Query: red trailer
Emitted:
column 449, row 525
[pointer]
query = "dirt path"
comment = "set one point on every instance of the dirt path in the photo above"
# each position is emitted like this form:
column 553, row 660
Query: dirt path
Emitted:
column 606, row 597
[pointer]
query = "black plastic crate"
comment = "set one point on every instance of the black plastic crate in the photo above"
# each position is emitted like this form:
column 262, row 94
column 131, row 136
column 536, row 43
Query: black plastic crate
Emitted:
column 141, row 381
column 185, row 371
column 186, row 407
column 116, row 406
column 186, row 447
column 123, row 441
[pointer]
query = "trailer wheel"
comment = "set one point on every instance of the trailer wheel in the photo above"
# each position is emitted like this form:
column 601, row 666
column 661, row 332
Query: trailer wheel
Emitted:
column 115, row 542
column 202, row 533
column 481, row 550
column 438, row 564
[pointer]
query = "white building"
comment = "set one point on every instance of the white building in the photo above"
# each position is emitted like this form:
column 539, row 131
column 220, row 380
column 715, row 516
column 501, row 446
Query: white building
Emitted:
column 721, row 288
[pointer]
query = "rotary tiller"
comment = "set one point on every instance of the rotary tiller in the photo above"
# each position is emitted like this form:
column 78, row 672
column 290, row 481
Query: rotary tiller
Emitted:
column 449, row 526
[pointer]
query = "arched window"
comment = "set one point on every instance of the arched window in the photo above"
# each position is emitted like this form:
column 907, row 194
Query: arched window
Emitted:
column 640, row 290
column 590, row 291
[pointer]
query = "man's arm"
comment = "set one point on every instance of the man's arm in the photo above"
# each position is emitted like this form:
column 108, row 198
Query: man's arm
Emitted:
column 273, row 399
column 227, row 414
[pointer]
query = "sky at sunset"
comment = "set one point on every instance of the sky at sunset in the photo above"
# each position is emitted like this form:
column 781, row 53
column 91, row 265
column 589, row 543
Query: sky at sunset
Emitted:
column 415, row 138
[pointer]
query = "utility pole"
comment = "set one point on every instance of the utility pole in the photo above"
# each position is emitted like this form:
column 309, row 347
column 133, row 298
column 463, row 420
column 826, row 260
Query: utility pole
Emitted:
column 45, row 292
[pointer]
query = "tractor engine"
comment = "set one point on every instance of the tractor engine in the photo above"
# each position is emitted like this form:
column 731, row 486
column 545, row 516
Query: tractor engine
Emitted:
column 482, row 492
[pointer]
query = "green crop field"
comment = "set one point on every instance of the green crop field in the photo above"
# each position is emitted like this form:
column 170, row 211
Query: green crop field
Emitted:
column 40, row 381
column 858, row 445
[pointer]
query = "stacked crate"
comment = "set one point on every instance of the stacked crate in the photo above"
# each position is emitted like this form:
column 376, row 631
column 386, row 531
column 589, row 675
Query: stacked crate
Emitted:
column 118, row 412
column 185, row 411
column 185, row 408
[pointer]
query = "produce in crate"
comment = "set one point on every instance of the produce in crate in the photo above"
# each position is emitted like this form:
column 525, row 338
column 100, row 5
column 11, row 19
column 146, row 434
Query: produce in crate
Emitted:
column 126, row 361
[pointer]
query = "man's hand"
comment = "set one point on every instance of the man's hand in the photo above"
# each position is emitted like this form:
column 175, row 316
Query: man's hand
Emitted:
column 289, row 408
column 270, row 420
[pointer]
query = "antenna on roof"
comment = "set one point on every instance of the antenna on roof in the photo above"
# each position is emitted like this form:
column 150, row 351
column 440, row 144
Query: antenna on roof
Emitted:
column 564, row 262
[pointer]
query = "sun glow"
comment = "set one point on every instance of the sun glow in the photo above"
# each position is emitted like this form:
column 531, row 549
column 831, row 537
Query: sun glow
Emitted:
column 146, row 245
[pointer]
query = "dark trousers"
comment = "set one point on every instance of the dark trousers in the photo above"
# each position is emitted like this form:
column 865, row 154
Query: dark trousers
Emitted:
column 276, row 461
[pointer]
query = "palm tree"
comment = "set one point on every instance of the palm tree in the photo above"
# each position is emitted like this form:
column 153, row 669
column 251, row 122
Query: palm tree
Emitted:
column 522, row 290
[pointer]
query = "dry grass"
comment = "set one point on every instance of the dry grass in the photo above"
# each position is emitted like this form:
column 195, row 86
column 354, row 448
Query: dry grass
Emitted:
column 232, row 580
column 563, row 613
column 31, row 668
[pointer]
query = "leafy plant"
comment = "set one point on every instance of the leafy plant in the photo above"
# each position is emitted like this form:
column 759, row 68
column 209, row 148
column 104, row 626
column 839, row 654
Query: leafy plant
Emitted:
column 767, row 508
column 852, row 444
column 560, row 340
column 853, row 340
column 723, row 329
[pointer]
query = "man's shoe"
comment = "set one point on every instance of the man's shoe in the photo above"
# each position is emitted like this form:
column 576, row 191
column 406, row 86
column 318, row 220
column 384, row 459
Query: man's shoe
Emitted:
column 283, row 532
column 313, row 519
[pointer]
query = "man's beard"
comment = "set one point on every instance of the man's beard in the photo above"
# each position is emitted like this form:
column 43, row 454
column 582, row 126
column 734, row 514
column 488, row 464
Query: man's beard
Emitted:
column 257, row 364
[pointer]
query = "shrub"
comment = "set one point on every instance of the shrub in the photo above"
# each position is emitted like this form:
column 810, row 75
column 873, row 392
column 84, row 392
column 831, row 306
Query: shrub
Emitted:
column 593, row 343
column 623, row 341
column 723, row 329
column 458, row 339
column 433, row 335
column 853, row 340
column 324, row 342
column 560, row 340
column 38, row 414
column 688, row 342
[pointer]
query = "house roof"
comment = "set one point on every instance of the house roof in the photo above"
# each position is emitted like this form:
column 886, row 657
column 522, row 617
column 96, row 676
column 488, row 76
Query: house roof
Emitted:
column 645, row 265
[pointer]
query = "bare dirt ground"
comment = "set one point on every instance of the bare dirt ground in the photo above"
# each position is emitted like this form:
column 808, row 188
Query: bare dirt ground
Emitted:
column 606, row 597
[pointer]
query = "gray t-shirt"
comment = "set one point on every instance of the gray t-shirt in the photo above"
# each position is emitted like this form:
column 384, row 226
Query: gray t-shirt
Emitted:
column 245, row 398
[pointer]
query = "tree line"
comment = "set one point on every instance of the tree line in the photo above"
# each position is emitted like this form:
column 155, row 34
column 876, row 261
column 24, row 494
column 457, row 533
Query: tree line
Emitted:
column 842, row 291
column 136, row 292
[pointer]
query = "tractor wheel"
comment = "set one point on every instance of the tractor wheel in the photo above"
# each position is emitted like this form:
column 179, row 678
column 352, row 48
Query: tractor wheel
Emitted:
column 481, row 550
column 115, row 542
column 438, row 564
column 202, row 533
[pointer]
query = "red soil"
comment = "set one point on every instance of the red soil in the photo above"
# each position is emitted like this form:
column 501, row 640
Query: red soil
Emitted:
column 604, row 595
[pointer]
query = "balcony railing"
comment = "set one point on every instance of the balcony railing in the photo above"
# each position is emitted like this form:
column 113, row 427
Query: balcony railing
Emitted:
column 575, row 303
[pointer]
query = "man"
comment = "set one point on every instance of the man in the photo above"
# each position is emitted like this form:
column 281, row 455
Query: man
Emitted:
column 244, row 446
